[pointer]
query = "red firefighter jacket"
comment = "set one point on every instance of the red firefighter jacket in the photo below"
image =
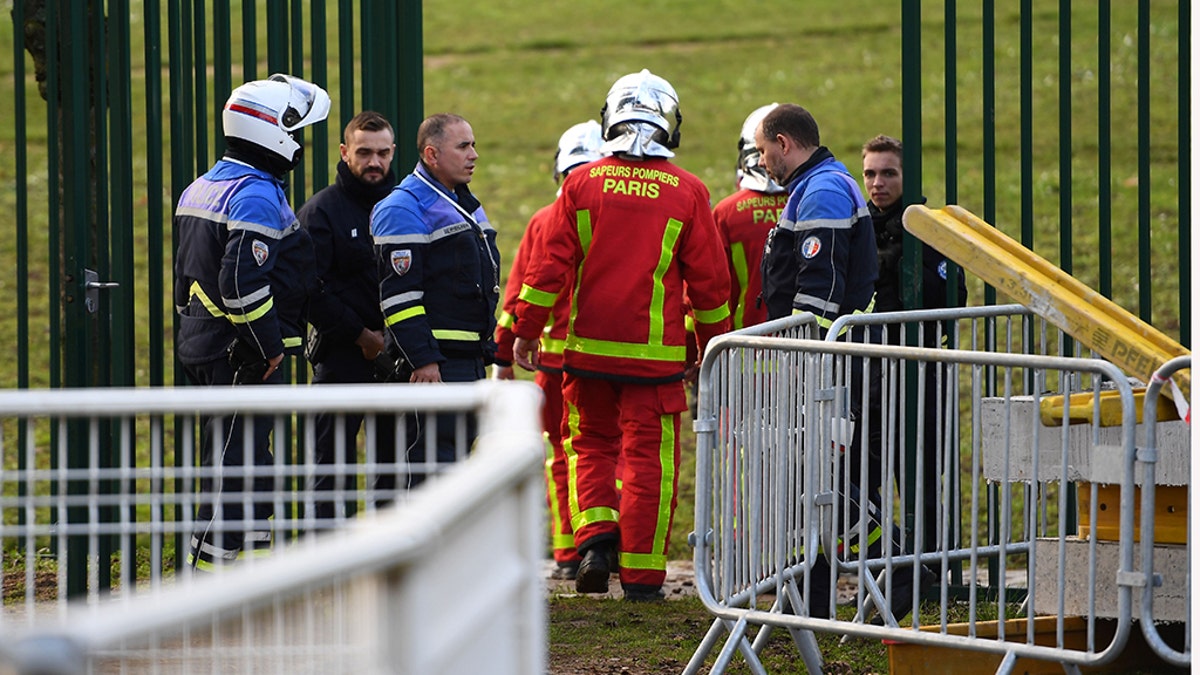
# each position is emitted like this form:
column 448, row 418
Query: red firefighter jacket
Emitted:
column 744, row 218
column 554, row 335
column 634, row 232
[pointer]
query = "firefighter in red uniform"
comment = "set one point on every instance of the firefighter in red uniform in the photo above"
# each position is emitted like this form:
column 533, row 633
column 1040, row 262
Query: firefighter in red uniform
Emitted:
column 578, row 145
column 744, row 218
column 633, row 228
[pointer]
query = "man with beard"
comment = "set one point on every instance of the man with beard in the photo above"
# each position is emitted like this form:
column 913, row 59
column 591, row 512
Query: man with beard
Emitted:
column 347, row 324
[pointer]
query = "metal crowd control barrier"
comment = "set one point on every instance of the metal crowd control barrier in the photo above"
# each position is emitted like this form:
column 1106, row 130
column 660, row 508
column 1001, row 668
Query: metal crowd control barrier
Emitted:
column 777, row 498
column 375, row 595
column 1148, row 456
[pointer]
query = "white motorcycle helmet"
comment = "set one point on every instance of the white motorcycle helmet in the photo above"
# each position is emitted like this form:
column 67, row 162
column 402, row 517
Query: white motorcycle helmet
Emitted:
column 751, row 175
column 578, row 145
column 641, row 116
column 268, row 112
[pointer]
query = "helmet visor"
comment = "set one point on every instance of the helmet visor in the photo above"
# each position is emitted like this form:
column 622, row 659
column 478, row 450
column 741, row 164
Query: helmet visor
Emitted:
column 307, row 103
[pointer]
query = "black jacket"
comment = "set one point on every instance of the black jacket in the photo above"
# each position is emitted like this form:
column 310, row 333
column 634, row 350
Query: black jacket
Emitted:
column 889, row 240
column 338, row 220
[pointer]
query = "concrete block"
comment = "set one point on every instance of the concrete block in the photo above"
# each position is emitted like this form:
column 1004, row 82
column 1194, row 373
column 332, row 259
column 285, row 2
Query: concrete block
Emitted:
column 1095, row 454
column 1170, row 599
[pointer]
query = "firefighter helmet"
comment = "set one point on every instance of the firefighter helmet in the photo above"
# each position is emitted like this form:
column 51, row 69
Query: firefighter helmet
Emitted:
column 268, row 112
column 578, row 145
column 641, row 116
column 751, row 174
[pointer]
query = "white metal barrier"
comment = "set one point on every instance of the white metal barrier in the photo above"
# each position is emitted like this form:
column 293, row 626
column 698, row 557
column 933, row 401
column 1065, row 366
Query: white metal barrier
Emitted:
column 773, row 483
column 382, row 594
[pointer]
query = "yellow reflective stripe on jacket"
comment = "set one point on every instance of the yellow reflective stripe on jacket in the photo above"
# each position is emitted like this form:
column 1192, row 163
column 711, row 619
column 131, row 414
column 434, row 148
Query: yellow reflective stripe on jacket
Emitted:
column 215, row 310
column 256, row 314
column 449, row 334
column 294, row 341
column 409, row 313
column 711, row 315
column 689, row 323
column 535, row 297
column 505, row 320
column 658, row 291
column 741, row 270
column 631, row 350
column 200, row 295
column 553, row 345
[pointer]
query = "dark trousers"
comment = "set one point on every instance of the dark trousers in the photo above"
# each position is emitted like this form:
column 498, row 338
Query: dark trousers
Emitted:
column 226, row 441
column 336, row 468
column 426, row 447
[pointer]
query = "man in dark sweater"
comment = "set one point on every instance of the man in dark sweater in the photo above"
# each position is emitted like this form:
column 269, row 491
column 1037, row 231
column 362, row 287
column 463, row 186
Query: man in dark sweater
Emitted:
column 347, row 323
column 883, row 180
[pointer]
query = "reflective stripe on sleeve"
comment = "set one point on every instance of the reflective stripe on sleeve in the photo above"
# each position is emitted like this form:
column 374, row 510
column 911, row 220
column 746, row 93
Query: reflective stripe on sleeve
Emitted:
column 402, row 315
column 535, row 297
column 712, row 315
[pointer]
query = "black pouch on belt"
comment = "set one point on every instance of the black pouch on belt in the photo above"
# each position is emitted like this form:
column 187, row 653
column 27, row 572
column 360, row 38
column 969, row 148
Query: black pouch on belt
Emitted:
column 249, row 365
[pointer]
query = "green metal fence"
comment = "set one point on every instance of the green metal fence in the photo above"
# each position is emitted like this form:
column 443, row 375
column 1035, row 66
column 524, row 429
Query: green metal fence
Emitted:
column 1120, row 197
column 123, row 116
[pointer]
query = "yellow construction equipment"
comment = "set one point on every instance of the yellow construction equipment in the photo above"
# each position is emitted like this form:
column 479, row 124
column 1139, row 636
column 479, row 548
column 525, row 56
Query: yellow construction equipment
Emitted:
column 1128, row 342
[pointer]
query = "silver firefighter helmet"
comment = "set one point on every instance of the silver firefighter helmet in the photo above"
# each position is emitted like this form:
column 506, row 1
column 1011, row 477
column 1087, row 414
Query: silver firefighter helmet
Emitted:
column 751, row 174
column 578, row 145
column 641, row 116
column 268, row 112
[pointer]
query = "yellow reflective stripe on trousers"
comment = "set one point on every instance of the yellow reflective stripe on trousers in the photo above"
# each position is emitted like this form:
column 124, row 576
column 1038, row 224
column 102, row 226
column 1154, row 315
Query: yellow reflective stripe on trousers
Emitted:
column 462, row 335
column 535, row 297
column 828, row 323
column 642, row 561
column 741, row 269
column 572, row 460
column 872, row 537
column 558, row 538
column 409, row 313
column 658, row 291
column 666, row 489
column 579, row 518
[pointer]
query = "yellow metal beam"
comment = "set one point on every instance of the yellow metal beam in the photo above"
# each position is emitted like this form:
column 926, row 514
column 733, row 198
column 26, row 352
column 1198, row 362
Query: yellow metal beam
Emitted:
column 1128, row 342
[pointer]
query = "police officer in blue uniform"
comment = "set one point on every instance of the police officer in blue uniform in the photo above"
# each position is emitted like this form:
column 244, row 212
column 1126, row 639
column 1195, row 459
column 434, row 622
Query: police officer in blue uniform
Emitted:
column 439, row 272
column 243, row 271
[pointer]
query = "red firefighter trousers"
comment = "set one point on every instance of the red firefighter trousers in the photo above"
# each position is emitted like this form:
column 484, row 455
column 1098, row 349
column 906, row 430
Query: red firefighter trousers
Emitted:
column 557, row 487
column 605, row 422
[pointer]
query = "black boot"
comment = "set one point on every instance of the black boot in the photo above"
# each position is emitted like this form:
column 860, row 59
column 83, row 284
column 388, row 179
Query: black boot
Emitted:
column 597, row 564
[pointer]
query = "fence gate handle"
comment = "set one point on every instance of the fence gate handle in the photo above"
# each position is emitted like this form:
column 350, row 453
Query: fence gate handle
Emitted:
column 92, row 286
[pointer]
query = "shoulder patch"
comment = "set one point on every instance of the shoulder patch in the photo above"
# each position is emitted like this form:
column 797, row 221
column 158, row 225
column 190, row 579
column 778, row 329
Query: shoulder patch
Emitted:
column 941, row 269
column 810, row 247
column 401, row 261
column 260, row 250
